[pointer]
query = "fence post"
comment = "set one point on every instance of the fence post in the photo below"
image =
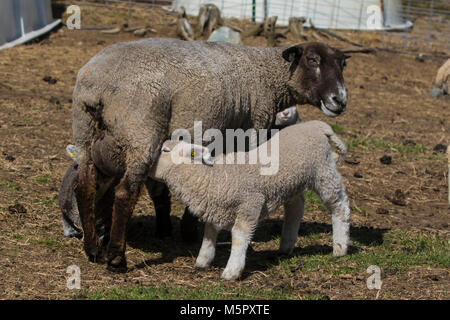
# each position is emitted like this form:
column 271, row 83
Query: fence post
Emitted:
column 254, row 10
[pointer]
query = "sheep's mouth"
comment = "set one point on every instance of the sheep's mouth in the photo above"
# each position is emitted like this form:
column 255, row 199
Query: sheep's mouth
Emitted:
column 328, row 112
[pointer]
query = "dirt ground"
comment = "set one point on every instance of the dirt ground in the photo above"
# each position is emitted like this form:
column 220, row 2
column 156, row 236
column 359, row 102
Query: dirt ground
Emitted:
column 390, row 112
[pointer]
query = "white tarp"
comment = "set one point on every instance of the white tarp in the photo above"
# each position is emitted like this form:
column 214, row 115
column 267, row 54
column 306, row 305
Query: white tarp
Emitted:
column 326, row 14
column 23, row 20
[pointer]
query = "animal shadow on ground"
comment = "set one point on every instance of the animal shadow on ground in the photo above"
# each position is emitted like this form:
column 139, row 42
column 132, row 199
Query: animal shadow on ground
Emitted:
column 141, row 236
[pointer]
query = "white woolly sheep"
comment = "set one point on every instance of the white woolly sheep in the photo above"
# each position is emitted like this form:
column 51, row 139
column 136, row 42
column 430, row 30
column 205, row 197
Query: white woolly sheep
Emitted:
column 442, row 80
column 235, row 197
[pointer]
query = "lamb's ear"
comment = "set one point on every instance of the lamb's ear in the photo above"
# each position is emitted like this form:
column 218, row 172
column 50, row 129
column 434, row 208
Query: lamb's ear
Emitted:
column 206, row 156
column 197, row 150
column 165, row 149
column 293, row 53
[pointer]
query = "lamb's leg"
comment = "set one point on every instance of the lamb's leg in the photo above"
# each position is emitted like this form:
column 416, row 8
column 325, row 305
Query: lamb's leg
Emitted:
column 293, row 214
column 160, row 195
column 208, row 249
column 331, row 190
column 340, row 217
column 85, row 192
column 241, row 235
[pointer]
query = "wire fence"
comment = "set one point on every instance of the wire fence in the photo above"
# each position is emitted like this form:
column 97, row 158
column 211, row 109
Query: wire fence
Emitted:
column 407, row 25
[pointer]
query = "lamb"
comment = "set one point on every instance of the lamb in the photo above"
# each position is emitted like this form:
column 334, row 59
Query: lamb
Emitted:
column 442, row 80
column 286, row 118
column 157, row 191
column 235, row 197
column 140, row 92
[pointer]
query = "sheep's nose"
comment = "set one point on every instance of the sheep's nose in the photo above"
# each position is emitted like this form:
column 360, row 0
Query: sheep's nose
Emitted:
column 340, row 100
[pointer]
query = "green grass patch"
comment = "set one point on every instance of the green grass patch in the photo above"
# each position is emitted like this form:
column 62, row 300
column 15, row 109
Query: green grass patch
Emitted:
column 377, row 144
column 16, row 236
column 47, row 202
column 336, row 128
column 47, row 242
column 397, row 252
column 10, row 186
column 312, row 201
column 42, row 179
column 204, row 292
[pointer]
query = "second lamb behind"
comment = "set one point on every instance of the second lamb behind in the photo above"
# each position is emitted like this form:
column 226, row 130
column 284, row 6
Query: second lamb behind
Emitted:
column 236, row 196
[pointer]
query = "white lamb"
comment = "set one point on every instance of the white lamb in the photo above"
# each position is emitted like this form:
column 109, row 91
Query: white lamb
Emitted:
column 235, row 196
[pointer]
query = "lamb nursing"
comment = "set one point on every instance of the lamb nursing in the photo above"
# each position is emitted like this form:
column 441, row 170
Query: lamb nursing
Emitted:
column 235, row 196
column 140, row 92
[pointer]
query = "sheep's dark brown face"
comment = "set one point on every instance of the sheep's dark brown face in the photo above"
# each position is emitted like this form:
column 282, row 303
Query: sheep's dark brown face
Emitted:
column 317, row 73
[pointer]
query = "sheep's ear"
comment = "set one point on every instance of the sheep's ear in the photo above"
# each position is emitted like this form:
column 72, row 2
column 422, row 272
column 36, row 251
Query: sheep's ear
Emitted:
column 293, row 53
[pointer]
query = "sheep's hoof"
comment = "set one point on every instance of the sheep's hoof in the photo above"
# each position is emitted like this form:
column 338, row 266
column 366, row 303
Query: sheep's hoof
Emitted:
column 117, row 264
column 92, row 252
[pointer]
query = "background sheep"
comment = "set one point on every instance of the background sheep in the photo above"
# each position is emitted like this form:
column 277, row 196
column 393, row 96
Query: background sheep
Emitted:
column 442, row 80
column 140, row 92
column 235, row 196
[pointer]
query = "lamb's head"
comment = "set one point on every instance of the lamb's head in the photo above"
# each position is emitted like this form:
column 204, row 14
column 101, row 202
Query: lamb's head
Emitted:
column 179, row 152
column 287, row 117
column 316, row 76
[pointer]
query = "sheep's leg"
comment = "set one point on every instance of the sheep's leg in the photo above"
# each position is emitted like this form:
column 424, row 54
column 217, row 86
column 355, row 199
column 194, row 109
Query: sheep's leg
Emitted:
column 293, row 214
column 126, row 196
column 103, row 211
column 85, row 192
column 189, row 226
column 332, row 192
column 208, row 249
column 241, row 235
column 160, row 195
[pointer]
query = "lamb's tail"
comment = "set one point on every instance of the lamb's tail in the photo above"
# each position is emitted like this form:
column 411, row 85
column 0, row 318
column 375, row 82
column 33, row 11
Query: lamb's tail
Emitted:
column 341, row 148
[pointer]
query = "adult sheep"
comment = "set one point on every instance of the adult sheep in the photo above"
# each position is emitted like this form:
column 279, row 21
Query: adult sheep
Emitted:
column 140, row 92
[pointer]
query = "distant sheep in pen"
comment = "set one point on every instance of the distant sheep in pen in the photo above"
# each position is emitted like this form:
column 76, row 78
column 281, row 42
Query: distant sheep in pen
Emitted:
column 236, row 196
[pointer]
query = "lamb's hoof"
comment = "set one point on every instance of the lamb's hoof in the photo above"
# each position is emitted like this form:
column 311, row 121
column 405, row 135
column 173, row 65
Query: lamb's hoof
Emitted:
column 339, row 251
column 231, row 275
column 117, row 264
column 202, row 264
